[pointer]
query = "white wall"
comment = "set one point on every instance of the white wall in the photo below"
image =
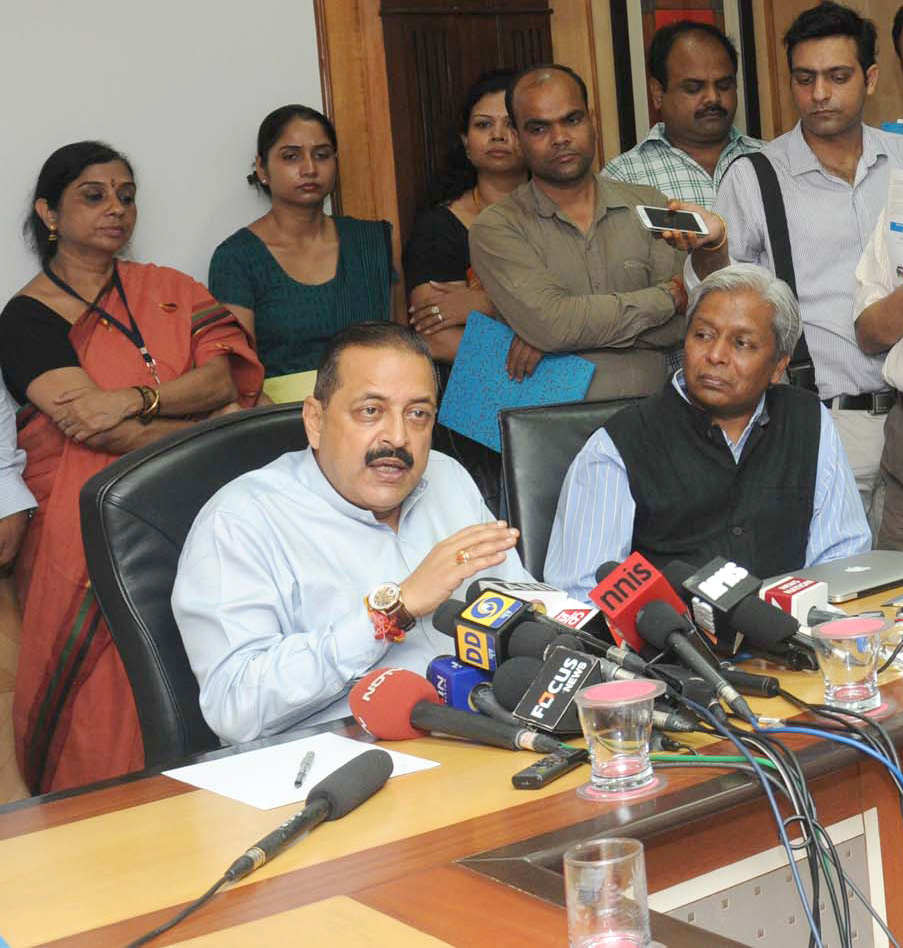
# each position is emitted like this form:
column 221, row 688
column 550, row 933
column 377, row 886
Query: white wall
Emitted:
column 179, row 86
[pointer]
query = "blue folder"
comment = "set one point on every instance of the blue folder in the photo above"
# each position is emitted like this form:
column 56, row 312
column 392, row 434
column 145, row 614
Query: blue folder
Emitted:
column 479, row 387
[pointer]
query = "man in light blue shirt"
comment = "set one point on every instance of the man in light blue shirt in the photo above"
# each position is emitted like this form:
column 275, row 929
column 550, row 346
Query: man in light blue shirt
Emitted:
column 297, row 579
column 722, row 462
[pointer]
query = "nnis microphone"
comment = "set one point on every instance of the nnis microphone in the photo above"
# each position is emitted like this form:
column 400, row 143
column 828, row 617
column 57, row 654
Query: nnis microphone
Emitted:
column 625, row 588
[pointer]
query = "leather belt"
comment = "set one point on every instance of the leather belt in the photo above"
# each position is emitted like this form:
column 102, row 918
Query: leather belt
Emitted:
column 875, row 403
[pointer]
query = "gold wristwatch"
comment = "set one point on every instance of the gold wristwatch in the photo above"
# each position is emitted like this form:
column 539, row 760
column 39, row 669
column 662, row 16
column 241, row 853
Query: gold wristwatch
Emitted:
column 387, row 611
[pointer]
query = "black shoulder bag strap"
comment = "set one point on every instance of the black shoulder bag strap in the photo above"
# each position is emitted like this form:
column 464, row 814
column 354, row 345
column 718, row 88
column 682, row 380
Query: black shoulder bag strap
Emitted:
column 801, row 371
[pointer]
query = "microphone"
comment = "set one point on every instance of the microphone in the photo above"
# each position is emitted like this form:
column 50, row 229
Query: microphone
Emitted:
column 482, row 627
column 537, row 640
column 333, row 797
column 454, row 681
column 625, row 588
column 394, row 704
column 804, row 599
column 542, row 693
column 468, row 689
column 545, row 599
column 662, row 626
column 724, row 600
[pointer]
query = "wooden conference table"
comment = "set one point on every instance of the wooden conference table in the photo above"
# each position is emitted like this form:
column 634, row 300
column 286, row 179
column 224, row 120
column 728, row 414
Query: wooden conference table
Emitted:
column 452, row 855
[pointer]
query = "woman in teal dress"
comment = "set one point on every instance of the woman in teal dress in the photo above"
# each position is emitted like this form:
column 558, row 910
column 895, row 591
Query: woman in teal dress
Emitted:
column 297, row 275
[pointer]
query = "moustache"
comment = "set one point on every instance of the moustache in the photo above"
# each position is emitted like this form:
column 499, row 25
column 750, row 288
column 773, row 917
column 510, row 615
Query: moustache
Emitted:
column 378, row 454
column 711, row 110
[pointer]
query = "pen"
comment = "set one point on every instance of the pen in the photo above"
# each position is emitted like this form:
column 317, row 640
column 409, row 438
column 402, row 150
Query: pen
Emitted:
column 307, row 761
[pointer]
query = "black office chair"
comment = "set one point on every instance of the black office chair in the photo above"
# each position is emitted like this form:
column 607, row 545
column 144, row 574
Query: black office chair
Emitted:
column 135, row 516
column 538, row 445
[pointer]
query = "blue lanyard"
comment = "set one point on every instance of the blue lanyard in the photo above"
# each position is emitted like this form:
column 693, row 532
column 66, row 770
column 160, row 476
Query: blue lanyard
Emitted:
column 131, row 332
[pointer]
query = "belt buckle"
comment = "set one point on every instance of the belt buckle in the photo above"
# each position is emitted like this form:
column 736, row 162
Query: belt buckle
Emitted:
column 881, row 402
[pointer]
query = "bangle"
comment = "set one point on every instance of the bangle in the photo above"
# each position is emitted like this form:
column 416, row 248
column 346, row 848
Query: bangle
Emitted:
column 721, row 242
column 146, row 397
column 151, row 407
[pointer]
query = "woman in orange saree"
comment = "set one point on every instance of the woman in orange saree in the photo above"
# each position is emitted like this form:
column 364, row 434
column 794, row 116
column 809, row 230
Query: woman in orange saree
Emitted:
column 151, row 353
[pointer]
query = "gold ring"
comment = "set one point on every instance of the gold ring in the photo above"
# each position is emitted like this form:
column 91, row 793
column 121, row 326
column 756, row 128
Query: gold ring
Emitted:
column 462, row 557
column 434, row 310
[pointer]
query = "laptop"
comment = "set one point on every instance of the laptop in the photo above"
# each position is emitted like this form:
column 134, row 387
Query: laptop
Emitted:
column 856, row 575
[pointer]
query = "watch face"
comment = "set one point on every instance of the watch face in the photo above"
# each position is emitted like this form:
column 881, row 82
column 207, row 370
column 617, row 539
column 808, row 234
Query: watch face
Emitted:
column 384, row 597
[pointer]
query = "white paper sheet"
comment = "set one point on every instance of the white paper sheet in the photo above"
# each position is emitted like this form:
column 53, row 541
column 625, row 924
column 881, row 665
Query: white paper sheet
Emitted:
column 265, row 778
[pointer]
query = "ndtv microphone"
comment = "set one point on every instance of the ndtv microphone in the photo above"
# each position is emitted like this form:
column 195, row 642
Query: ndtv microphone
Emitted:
column 394, row 704
column 624, row 589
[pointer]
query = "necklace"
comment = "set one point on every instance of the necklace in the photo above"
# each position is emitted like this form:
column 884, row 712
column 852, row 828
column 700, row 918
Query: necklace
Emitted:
column 475, row 194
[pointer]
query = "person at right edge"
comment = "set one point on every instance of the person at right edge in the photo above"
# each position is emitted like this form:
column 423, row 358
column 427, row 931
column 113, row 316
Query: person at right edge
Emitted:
column 878, row 311
column 832, row 174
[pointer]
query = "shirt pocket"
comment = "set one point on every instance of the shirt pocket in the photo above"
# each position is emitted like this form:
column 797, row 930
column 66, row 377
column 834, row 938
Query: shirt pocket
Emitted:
column 635, row 275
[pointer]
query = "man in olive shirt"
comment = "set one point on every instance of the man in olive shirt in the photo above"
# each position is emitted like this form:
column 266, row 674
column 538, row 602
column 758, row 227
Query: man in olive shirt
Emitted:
column 565, row 259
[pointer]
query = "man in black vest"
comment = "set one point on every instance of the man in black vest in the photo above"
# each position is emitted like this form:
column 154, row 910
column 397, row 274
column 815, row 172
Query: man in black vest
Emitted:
column 723, row 462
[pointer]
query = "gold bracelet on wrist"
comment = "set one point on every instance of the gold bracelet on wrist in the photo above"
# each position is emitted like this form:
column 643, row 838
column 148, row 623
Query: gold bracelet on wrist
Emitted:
column 152, row 405
column 721, row 242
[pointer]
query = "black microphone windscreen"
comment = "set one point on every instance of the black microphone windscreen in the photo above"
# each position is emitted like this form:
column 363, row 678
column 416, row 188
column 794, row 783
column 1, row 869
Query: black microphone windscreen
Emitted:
column 347, row 787
column 677, row 572
column 530, row 639
column 566, row 640
column 445, row 615
column 657, row 620
column 512, row 679
column 762, row 623
column 474, row 590
column 605, row 569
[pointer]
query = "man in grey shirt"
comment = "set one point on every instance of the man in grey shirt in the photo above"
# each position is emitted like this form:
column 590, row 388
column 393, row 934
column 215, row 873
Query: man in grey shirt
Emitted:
column 832, row 172
column 565, row 259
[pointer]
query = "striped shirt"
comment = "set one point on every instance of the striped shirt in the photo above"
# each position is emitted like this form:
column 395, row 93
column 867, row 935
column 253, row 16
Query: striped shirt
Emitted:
column 14, row 495
column 655, row 161
column 594, row 520
column 830, row 222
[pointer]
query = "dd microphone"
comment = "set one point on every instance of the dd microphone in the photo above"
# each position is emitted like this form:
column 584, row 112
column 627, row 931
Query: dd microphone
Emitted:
column 545, row 600
column 333, row 797
column 662, row 626
column 394, row 704
column 624, row 589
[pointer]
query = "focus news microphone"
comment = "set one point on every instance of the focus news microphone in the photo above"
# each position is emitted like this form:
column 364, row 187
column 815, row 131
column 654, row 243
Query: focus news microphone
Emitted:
column 625, row 588
column 662, row 626
column 466, row 688
column 724, row 601
column 542, row 693
column 332, row 798
column 394, row 704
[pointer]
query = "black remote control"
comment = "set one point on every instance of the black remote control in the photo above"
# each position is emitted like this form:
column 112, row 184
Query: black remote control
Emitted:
column 549, row 768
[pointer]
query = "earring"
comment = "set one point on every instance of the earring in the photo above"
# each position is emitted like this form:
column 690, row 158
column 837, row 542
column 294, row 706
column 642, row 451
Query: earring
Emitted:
column 53, row 234
column 263, row 180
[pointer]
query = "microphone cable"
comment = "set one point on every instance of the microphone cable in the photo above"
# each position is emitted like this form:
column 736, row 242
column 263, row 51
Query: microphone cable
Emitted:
column 336, row 795
column 779, row 821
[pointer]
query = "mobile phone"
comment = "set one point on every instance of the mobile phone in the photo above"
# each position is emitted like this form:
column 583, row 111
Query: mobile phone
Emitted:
column 660, row 218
